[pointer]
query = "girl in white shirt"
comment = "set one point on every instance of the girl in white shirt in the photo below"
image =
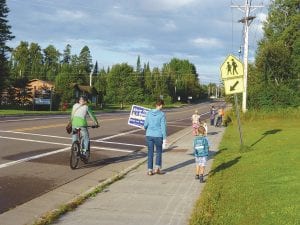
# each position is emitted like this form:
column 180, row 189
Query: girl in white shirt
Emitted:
column 195, row 122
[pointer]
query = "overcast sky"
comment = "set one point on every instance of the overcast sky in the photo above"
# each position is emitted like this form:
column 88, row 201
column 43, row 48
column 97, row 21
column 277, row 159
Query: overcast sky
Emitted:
column 117, row 31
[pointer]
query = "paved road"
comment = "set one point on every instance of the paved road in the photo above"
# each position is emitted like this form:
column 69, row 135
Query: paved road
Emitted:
column 34, row 156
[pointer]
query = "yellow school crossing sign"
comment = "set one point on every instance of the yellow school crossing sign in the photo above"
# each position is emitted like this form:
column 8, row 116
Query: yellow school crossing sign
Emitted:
column 233, row 86
column 232, row 73
column 232, row 68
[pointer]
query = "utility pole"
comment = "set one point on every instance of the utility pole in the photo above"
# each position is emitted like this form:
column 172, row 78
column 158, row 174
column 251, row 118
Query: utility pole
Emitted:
column 91, row 74
column 247, row 21
column 208, row 88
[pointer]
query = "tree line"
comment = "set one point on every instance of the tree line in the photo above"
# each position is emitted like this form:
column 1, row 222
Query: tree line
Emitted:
column 274, row 78
column 120, row 84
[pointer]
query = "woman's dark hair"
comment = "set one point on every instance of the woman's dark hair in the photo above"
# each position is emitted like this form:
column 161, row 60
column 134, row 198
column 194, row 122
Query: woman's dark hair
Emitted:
column 159, row 102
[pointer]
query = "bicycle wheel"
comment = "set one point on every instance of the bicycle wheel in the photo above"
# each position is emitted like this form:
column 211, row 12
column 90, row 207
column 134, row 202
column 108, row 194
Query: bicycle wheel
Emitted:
column 74, row 158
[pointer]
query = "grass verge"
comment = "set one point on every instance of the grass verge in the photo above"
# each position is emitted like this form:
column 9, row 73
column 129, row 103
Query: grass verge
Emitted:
column 12, row 112
column 257, row 184
column 50, row 217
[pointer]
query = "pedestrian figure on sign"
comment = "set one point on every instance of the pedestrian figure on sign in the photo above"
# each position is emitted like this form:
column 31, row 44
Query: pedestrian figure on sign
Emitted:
column 229, row 68
column 234, row 66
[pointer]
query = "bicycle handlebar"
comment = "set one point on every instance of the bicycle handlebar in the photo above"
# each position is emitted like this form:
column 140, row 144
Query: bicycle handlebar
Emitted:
column 91, row 126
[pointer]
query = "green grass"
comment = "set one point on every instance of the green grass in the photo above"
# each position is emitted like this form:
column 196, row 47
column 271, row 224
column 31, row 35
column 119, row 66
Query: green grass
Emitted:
column 9, row 112
column 259, row 184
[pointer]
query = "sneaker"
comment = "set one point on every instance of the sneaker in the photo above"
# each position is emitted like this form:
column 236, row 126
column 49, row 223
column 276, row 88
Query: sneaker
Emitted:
column 83, row 152
column 158, row 171
column 197, row 177
column 201, row 179
column 150, row 173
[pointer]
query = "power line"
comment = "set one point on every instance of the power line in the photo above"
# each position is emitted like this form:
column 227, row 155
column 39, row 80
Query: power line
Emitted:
column 247, row 8
column 255, row 39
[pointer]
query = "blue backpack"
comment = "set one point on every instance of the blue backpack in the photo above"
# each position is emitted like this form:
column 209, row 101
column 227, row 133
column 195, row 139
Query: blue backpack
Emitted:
column 200, row 146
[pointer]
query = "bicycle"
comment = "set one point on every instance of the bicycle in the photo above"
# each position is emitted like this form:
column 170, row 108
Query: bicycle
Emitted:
column 76, row 147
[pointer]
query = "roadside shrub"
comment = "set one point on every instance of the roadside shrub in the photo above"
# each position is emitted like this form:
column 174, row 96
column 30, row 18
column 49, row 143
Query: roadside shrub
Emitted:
column 272, row 96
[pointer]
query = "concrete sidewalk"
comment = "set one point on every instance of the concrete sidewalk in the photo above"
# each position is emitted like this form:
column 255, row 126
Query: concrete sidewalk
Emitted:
column 139, row 199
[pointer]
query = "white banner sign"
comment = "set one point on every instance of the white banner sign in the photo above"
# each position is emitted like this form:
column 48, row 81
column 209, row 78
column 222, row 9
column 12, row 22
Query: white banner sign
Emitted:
column 137, row 116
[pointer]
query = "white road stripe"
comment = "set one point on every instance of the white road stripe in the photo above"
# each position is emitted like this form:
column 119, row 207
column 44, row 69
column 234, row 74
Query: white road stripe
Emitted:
column 56, row 143
column 33, row 134
column 32, row 157
column 52, row 152
column 119, row 143
column 112, row 149
column 37, row 141
column 117, row 135
column 69, row 138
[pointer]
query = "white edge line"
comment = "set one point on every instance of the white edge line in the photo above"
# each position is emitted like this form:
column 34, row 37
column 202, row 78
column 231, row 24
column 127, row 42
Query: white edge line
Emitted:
column 118, row 143
column 50, row 153
column 33, row 134
column 33, row 157
column 112, row 149
column 117, row 135
column 68, row 138
column 37, row 141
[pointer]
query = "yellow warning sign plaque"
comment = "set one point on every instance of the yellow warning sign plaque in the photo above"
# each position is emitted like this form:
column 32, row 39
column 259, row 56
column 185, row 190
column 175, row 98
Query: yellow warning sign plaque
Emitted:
column 232, row 68
column 233, row 86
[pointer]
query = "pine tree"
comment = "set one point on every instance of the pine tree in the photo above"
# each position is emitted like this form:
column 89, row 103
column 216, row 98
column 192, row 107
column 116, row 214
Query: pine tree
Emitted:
column 138, row 65
column 67, row 55
column 5, row 35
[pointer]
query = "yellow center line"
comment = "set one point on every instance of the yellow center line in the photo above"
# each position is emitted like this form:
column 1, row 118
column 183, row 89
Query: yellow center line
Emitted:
column 54, row 125
column 40, row 127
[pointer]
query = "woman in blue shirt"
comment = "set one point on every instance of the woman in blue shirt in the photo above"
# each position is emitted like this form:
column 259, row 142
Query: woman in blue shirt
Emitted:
column 156, row 132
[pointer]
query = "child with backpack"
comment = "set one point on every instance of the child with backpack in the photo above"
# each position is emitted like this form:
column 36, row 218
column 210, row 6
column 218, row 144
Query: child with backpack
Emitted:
column 201, row 148
column 204, row 124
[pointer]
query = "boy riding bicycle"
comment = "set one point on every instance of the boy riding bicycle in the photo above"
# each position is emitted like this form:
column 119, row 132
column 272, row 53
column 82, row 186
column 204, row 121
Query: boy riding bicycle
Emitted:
column 78, row 117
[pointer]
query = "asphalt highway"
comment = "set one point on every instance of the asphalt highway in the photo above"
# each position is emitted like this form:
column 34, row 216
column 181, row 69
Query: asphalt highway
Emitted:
column 35, row 150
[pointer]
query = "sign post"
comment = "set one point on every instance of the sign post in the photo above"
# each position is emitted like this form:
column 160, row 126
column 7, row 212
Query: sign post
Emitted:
column 238, row 117
column 232, row 73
